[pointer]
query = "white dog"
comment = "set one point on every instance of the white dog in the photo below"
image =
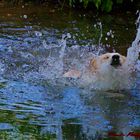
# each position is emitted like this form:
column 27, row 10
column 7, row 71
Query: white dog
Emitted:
column 110, row 71
column 106, row 72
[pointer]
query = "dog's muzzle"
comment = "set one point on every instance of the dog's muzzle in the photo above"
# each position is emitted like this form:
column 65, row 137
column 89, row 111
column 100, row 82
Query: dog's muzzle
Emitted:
column 115, row 60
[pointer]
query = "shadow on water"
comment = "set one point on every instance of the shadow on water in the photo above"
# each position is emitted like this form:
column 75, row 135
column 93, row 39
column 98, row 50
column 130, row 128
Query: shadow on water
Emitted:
column 30, row 108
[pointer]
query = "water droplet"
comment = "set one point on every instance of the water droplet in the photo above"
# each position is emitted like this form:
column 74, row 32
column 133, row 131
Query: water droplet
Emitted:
column 108, row 33
column 112, row 36
column 37, row 33
column 25, row 16
column 68, row 35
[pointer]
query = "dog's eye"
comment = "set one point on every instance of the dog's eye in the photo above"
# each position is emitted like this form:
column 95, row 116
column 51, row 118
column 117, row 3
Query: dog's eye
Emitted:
column 106, row 57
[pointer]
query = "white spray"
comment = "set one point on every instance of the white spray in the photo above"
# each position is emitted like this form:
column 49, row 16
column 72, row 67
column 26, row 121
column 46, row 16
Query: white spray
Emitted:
column 133, row 51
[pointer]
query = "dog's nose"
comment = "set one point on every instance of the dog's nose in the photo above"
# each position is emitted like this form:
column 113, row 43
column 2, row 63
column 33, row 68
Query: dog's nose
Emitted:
column 115, row 57
column 115, row 60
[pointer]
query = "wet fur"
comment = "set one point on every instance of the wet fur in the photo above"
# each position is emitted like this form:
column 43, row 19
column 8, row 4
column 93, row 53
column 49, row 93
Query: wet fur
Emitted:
column 101, row 75
column 95, row 63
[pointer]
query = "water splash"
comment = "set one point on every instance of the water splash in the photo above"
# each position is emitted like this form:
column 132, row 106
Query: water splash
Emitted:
column 100, row 38
column 53, row 67
column 61, row 58
column 133, row 51
column 40, row 59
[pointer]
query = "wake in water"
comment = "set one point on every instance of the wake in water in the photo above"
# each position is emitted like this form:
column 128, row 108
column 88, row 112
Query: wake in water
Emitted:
column 46, row 63
column 62, row 58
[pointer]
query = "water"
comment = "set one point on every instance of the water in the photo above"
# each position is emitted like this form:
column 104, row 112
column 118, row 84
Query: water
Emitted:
column 36, row 47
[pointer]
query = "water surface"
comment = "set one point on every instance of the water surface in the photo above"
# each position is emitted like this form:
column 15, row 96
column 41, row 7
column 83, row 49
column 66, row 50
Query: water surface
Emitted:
column 31, row 107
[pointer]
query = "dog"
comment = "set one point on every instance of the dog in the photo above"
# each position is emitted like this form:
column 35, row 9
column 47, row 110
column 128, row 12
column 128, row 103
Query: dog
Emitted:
column 105, row 72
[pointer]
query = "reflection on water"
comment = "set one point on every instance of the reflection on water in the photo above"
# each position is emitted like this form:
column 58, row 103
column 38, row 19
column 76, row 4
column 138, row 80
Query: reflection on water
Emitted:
column 31, row 108
column 29, row 111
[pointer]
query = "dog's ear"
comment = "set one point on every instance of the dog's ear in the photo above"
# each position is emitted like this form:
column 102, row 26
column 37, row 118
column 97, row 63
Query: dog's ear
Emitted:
column 93, row 65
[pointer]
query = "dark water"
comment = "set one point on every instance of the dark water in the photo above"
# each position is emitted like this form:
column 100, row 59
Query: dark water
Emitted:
column 30, row 108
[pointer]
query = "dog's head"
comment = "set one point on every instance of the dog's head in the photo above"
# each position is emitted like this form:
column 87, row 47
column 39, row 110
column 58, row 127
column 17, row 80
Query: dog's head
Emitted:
column 107, row 61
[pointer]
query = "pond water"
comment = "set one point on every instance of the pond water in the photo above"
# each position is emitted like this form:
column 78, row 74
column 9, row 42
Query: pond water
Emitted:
column 37, row 104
